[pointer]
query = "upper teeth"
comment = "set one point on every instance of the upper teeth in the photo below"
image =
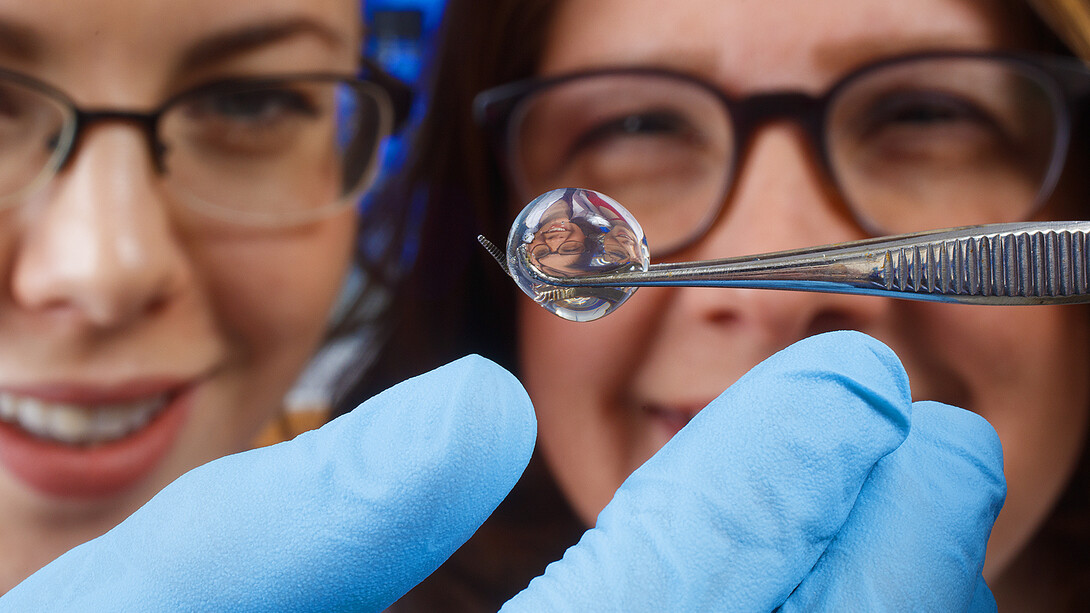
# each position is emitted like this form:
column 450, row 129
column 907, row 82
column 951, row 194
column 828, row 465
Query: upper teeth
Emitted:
column 70, row 423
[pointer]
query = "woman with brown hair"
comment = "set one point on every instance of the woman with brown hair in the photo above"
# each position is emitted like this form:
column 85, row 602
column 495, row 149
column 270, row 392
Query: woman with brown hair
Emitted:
column 926, row 118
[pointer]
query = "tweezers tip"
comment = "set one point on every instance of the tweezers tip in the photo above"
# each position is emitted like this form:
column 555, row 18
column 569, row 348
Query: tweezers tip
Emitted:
column 495, row 252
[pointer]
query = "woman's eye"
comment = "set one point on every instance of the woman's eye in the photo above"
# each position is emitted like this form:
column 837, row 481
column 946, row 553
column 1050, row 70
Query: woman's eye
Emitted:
column 270, row 120
column 571, row 248
column 645, row 124
column 923, row 110
column 257, row 105
column 539, row 251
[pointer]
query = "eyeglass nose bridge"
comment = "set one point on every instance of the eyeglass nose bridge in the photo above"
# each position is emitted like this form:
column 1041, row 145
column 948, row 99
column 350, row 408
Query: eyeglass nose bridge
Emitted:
column 802, row 109
column 147, row 123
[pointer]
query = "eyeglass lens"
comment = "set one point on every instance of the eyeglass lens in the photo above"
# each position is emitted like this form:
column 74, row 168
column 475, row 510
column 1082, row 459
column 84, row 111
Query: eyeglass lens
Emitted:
column 33, row 127
column 262, row 151
column 912, row 146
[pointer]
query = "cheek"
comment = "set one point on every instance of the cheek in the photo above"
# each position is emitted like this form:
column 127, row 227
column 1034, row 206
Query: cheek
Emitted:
column 271, row 292
column 1025, row 370
column 272, row 297
column 1041, row 418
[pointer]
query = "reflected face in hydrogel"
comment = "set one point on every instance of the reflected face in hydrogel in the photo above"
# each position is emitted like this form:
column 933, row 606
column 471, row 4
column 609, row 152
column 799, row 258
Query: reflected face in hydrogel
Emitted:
column 669, row 351
column 174, row 335
column 563, row 237
column 574, row 232
column 621, row 245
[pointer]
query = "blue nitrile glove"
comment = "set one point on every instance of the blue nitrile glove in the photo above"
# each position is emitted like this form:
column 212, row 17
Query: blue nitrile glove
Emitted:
column 788, row 479
column 346, row 517
column 916, row 537
column 793, row 489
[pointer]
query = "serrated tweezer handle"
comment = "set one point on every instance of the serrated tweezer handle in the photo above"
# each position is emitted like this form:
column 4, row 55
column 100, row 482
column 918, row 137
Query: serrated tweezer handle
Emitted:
column 1014, row 263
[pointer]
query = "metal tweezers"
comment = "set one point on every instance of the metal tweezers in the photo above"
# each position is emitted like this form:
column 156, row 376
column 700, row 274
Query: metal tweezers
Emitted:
column 1011, row 263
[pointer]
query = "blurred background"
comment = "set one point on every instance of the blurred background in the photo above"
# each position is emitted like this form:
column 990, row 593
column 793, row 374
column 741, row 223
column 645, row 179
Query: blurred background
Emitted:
column 400, row 34
column 400, row 38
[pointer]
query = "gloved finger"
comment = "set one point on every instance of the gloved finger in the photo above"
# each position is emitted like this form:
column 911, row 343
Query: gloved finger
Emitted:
column 735, row 510
column 983, row 601
column 346, row 517
column 915, row 540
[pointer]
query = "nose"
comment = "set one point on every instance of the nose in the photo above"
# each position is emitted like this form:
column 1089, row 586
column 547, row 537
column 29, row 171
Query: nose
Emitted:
column 97, row 245
column 781, row 200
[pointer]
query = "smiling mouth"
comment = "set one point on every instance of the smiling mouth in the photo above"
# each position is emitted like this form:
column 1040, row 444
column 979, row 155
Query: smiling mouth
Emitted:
column 74, row 424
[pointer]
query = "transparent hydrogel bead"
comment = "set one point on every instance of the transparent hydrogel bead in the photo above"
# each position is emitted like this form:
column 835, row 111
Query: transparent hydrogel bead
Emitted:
column 570, row 233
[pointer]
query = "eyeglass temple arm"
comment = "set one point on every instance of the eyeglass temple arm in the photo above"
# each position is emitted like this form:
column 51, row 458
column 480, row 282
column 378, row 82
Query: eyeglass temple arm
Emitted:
column 1019, row 263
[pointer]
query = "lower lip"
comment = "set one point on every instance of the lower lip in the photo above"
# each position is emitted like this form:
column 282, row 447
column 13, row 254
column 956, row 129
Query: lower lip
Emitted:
column 670, row 422
column 96, row 471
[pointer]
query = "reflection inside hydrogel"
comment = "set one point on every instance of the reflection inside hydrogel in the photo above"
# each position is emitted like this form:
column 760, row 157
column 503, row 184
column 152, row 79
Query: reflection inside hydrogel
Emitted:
column 570, row 233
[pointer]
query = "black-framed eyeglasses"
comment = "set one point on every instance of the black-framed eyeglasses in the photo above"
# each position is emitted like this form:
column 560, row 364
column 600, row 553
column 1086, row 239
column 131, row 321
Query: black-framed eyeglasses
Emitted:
column 911, row 143
column 268, row 150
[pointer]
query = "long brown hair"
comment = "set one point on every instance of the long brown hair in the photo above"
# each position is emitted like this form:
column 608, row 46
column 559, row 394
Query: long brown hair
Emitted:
column 455, row 300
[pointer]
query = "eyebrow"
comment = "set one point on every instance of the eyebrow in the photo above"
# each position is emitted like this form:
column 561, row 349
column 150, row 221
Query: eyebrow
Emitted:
column 844, row 55
column 19, row 41
column 835, row 57
column 224, row 45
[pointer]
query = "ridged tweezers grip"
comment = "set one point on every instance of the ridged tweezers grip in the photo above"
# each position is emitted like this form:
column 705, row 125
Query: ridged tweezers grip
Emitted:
column 1029, row 264
column 1011, row 263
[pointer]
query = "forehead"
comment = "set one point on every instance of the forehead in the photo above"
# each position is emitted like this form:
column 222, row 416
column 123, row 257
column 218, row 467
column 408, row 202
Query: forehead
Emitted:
column 154, row 23
column 762, row 43
column 144, row 38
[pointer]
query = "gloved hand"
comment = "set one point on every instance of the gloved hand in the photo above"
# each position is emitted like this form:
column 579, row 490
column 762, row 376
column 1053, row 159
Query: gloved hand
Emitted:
column 797, row 489
column 793, row 490
column 346, row 517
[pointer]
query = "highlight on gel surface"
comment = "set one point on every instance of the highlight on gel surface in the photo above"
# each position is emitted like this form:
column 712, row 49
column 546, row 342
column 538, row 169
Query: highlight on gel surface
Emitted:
column 569, row 233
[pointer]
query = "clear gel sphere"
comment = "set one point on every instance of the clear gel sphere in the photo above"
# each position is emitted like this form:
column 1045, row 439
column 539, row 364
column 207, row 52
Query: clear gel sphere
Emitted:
column 574, row 233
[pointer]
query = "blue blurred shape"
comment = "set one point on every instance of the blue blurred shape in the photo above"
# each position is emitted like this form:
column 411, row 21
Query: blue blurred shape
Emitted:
column 400, row 35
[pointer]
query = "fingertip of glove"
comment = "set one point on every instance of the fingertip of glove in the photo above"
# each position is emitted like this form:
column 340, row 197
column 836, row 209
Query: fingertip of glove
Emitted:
column 966, row 434
column 501, row 394
column 851, row 353
column 474, row 394
column 960, row 426
column 849, row 360
column 467, row 420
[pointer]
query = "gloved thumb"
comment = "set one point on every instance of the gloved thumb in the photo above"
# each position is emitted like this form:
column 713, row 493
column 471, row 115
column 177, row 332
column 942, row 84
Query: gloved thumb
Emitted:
column 732, row 514
column 916, row 539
